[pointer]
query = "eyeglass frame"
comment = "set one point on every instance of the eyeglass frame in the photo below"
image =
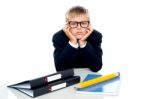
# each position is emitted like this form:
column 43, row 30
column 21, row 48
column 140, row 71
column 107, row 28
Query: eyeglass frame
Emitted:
column 78, row 23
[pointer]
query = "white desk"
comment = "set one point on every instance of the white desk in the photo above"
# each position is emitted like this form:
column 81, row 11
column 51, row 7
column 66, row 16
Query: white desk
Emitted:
column 66, row 93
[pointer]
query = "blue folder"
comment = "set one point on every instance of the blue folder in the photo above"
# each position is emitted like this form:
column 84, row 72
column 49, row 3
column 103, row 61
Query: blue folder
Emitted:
column 109, row 87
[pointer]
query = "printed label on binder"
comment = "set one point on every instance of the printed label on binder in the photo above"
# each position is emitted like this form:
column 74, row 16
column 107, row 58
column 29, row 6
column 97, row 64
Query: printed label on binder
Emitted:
column 55, row 77
column 58, row 86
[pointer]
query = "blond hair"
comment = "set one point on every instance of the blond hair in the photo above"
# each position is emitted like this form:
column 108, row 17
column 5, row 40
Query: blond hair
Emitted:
column 76, row 11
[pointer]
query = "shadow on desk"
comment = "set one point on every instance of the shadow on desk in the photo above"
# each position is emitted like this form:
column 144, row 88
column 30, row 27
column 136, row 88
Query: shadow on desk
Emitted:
column 3, row 92
column 65, row 93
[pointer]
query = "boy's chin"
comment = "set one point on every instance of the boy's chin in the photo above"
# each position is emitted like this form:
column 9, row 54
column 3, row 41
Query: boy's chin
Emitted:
column 79, row 37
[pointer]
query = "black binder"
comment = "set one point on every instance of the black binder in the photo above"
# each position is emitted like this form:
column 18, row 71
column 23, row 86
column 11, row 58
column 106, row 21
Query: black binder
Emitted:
column 34, row 83
column 50, row 87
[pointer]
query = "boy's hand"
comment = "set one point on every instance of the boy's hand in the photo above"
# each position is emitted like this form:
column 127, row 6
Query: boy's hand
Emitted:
column 69, row 35
column 83, row 39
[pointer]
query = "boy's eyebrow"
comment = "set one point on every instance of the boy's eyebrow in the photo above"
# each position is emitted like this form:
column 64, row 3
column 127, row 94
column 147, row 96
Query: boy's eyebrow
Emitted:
column 79, row 21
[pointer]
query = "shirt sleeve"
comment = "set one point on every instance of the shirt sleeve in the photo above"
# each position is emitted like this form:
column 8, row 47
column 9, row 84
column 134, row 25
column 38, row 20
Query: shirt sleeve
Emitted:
column 74, row 45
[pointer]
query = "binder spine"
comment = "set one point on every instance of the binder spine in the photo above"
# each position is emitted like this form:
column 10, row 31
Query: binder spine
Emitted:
column 56, row 86
column 50, row 78
column 38, row 82
column 41, row 91
column 74, row 81
column 67, row 73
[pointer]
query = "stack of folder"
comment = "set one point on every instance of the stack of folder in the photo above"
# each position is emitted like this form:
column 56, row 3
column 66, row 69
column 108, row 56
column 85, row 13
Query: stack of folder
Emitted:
column 46, row 84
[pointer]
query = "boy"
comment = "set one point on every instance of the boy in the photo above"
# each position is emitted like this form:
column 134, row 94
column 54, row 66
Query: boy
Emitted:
column 77, row 45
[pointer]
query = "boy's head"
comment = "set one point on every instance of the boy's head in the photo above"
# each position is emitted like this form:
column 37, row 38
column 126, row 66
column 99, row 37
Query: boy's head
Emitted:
column 77, row 18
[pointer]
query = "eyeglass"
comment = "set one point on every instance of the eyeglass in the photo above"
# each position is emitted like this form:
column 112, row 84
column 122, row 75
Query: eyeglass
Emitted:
column 74, row 24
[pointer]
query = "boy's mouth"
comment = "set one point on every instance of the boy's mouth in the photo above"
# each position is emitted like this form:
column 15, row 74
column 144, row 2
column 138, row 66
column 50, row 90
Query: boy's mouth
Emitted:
column 79, row 33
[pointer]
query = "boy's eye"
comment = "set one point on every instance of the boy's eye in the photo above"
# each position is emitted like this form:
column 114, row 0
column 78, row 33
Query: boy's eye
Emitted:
column 84, row 23
column 73, row 23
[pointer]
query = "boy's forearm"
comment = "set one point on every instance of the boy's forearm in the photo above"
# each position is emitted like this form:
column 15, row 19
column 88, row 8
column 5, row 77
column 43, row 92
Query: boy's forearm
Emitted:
column 63, row 57
column 93, row 56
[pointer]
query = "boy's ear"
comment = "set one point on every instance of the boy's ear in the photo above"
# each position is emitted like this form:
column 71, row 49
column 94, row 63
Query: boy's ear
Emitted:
column 89, row 24
column 66, row 25
column 66, row 20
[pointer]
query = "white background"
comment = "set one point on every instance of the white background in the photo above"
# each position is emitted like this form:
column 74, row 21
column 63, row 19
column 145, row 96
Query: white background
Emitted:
column 27, row 26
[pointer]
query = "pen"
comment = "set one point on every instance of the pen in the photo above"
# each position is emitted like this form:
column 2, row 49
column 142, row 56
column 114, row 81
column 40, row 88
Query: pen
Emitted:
column 97, row 80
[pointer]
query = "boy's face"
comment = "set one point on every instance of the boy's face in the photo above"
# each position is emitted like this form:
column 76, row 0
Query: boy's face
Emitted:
column 78, row 26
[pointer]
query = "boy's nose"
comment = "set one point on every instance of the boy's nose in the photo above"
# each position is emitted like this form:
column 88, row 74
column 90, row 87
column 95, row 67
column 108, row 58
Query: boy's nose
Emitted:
column 79, row 25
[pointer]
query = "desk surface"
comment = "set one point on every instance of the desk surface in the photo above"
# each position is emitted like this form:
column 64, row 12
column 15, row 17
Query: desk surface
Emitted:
column 67, row 93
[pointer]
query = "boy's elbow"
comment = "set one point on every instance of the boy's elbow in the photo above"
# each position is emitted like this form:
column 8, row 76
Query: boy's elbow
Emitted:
column 96, row 68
